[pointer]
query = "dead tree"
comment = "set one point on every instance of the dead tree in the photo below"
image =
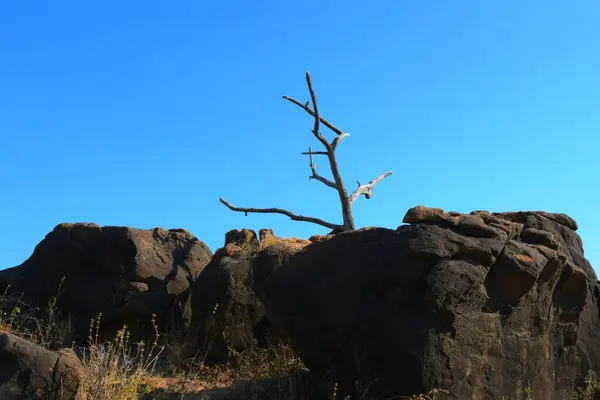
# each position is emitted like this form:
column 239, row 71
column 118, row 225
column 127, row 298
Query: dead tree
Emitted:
column 337, row 184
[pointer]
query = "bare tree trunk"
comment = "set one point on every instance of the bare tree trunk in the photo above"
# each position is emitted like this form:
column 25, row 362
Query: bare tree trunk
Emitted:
column 347, row 216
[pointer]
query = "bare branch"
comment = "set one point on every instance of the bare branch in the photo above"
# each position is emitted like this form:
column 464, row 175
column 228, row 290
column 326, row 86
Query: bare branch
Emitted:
column 293, row 216
column 367, row 189
column 315, row 174
column 314, row 113
column 314, row 153
column 313, row 97
column 311, row 112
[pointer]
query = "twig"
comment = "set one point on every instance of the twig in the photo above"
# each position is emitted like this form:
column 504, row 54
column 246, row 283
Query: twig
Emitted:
column 315, row 174
column 293, row 216
column 367, row 189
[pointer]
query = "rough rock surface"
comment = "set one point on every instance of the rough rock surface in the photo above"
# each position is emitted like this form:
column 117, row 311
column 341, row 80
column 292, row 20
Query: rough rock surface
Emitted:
column 480, row 304
column 124, row 273
column 225, row 311
column 28, row 371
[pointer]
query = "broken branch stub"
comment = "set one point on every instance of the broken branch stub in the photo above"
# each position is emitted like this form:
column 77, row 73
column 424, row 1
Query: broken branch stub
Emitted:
column 337, row 182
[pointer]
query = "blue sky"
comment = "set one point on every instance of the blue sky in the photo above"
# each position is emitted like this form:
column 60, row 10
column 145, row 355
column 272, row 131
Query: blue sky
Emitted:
column 145, row 113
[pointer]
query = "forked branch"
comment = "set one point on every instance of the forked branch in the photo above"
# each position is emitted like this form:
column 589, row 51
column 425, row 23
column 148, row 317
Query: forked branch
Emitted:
column 290, row 214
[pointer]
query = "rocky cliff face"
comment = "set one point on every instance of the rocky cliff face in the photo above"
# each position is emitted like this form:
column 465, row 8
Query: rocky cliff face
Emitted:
column 480, row 304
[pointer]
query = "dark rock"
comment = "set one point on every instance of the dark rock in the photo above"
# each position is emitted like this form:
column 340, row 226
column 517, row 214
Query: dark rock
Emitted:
column 124, row 273
column 245, row 238
column 28, row 371
column 563, row 230
column 515, row 272
column 226, row 312
column 424, row 214
column 319, row 238
column 482, row 305
column 537, row 236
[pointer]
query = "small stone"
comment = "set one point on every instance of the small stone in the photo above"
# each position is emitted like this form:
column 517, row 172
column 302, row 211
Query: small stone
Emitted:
column 424, row 214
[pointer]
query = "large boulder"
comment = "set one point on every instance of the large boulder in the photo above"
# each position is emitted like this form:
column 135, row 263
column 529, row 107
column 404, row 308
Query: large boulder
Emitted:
column 482, row 305
column 125, row 274
column 28, row 371
column 226, row 313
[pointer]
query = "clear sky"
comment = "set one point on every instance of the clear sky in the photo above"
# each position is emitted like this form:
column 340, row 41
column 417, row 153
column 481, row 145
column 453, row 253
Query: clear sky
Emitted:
column 145, row 113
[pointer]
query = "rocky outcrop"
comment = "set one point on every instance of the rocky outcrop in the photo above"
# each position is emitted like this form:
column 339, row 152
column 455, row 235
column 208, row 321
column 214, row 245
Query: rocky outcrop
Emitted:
column 482, row 305
column 28, row 371
column 226, row 313
column 124, row 273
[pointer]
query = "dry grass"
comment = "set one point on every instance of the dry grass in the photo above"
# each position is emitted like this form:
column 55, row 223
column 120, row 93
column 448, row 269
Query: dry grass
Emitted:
column 433, row 394
column 248, row 372
column 117, row 370
column 51, row 332
column 279, row 359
